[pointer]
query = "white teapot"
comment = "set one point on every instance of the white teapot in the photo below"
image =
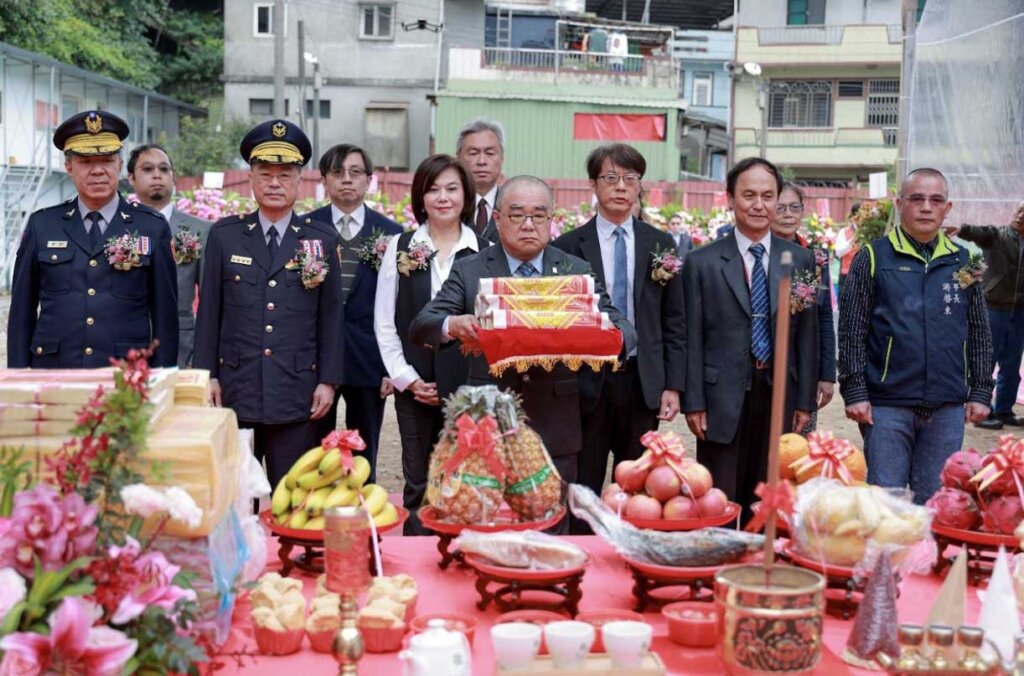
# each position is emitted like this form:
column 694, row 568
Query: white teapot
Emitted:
column 437, row 651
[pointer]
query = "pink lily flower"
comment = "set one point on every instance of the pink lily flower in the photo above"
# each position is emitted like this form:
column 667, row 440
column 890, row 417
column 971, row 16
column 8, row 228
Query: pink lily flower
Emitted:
column 73, row 646
column 155, row 588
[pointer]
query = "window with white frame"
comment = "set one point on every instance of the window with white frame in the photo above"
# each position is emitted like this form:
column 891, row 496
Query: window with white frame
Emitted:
column 376, row 21
column 263, row 19
column 702, row 85
column 800, row 103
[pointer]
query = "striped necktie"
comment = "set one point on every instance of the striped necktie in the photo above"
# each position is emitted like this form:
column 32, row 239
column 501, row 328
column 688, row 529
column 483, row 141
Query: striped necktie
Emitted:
column 760, row 336
column 526, row 270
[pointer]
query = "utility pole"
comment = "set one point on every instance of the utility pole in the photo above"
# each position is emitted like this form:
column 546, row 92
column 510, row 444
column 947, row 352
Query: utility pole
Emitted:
column 909, row 10
column 317, row 83
column 302, row 74
column 278, row 24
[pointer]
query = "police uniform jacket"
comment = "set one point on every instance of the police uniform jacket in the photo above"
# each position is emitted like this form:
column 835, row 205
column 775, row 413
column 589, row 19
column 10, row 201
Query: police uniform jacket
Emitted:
column 70, row 308
column 267, row 338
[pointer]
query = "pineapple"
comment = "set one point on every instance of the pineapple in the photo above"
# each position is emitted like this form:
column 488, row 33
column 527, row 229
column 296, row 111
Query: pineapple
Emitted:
column 534, row 490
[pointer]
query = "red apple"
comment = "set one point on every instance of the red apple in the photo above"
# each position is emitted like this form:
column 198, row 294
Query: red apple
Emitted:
column 662, row 483
column 696, row 480
column 680, row 507
column 614, row 497
column 712, row 504
column 642, row 506
column 630, row 477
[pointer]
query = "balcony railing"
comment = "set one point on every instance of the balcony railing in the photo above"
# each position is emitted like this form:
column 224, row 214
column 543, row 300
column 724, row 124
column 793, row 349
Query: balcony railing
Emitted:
column 557, row 59
column 814, row 35
column 820, row 137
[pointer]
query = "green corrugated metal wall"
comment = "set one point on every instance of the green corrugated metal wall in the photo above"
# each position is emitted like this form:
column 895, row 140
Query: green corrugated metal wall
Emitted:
column 539, row 135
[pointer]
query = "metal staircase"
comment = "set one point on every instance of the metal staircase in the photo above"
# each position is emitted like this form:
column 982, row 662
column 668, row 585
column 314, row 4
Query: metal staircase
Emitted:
column 20, row 185
column 503, row 28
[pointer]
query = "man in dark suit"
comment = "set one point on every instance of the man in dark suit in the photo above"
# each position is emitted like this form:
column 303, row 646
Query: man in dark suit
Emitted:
column 152, row 176
column 70, row 306
column 480, row 148
column 620, row 406
column 731, row 290
column 345, row 171
column 269, row 321
column 551, row 400
column 676, row 229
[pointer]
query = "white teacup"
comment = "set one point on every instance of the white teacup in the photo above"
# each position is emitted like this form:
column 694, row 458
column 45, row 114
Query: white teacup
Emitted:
column 568, row 642
column 626, row 642
column 515, row 644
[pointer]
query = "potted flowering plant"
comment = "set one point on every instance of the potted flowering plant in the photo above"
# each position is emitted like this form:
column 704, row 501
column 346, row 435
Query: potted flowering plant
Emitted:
column 81, row 588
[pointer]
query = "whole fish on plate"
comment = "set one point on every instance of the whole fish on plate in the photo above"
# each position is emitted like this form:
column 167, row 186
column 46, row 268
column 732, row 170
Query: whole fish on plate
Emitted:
column 695, row 548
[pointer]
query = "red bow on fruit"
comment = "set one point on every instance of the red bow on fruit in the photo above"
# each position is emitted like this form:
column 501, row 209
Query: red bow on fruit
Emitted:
column 779, row 500
column 1008, row 456
column 476, row 438
column 345, row 441
column 665, row 447
column 829, row 452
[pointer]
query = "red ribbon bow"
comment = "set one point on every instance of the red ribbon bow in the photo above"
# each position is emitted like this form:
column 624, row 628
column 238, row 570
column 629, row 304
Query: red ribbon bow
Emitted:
column 666, row 447
column 1008, row 457
column 829, row 452
column 778, row 500
column 345, row 441
column 476, row 437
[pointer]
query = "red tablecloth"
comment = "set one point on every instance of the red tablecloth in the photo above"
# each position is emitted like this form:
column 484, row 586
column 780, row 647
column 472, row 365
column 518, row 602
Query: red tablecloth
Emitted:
column 606, row 584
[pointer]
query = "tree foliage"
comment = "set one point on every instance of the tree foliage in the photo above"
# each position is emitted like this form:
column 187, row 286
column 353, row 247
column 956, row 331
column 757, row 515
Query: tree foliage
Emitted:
column 201, row 146
column 141, row 42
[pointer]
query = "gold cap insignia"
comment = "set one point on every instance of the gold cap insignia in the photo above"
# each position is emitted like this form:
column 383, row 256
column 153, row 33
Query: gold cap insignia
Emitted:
column 93, row 124
column 279, row 130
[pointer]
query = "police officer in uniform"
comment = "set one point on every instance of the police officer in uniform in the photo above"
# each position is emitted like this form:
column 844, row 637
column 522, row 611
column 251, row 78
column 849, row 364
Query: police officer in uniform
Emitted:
column 268, row 328
column 94, row 277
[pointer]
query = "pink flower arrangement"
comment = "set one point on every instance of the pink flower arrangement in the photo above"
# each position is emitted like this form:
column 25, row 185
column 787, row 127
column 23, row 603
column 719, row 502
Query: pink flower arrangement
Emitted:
column 153, row 586
column 804, row 292
column 665, row 265
column 312, row 268
column 418, row 257
column 73, row 646
column 372, row 250
column 49, row 527
column 212, row 204
column 185, row 246
column 125, row 252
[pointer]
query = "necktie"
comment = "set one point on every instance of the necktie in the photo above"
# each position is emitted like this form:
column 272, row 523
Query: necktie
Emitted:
column 620, row 292
column 95, row 236
column 481, row 216
column 347, row 229
column 760, row 337
column 526, row 270
column 272, row 243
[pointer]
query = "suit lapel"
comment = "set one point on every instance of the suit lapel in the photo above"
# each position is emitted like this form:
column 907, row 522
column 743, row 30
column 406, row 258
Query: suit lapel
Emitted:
column 497, row 262
column 774, row 274
column 642, row 241
column 74, row 228
column 735, row 274
column 590, row 245
column 255, row 243
column 175, row 222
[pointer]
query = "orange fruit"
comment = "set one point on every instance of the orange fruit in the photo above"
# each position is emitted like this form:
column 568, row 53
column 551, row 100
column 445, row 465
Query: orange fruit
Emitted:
column 792, row 447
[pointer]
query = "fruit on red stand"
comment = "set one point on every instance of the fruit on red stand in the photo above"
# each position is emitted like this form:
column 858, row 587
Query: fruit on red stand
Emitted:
column 1004, row 485
column 630, row 477
column 614, row 497
column 1002, row 514
column 662, row 483
column 696, row 480
column 642, row 506
column 959, row 469
column 713, row 503
column 954, row 508
column 792, row 447
column 680, row 507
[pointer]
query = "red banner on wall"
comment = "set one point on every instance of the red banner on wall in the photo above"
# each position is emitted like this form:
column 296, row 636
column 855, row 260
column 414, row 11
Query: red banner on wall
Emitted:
column 618, row 127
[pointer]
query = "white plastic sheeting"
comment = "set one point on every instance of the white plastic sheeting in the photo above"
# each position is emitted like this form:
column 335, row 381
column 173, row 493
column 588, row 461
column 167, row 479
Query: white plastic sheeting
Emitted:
column 967, row 104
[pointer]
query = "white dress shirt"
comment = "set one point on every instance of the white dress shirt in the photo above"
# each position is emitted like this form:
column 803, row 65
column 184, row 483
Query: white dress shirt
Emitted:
column 401, row 373
column 488, row 201
column 606, row 236
column 167, row 211
column 358, row 219
column 743, row 243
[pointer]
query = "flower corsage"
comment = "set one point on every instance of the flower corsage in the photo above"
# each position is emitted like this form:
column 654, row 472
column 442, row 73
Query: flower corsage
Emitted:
column 373, row 248
column 972, row 272
column 185, row 246
column 311, row 266
column 665, row 265
column 820, row 262
column 804, row 292
column 126, row 251
column 418, row 257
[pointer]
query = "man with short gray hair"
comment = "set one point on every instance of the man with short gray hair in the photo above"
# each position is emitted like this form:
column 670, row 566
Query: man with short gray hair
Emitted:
column 480, row 148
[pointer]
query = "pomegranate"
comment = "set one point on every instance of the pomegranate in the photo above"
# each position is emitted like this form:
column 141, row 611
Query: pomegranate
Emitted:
column 680, row 507
column 1004, row 485
column 713, row 503
column 1003, row 515
column 662, row 483
column 642, row 506
column 959, row 469
column 630, row 477
column 696, row 480
column 954, row 508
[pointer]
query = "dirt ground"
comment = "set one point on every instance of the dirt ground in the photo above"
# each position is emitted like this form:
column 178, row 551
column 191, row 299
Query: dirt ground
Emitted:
column 389, row 470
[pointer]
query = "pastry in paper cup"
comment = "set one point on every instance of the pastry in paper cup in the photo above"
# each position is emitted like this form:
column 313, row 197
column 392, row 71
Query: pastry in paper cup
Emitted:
column 272, row 642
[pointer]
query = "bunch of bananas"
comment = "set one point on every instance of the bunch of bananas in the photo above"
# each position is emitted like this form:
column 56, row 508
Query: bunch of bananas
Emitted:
column 318, row 481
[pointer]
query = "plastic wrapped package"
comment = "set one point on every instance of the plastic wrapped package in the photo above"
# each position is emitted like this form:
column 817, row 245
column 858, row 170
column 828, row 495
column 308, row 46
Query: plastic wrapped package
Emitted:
column 849, row 525
column 522, row 549
column 192, row 388
column 253, row 485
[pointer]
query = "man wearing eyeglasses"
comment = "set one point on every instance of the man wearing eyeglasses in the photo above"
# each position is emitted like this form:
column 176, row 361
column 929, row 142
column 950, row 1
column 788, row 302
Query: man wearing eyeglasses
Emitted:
column 346, row 171
column 915, row 351
column 551, row 399
column 619, row 406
